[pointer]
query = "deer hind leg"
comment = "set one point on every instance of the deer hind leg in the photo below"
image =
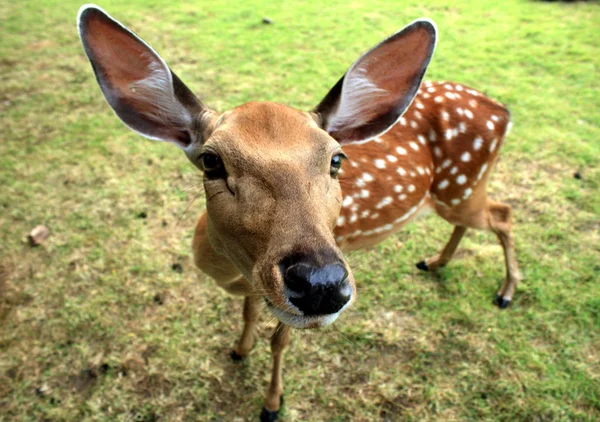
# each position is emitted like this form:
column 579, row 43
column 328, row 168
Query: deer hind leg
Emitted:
column 442, row 258
column 274, row 397
column 492, row 216
column 246, row 342
column 499, row 218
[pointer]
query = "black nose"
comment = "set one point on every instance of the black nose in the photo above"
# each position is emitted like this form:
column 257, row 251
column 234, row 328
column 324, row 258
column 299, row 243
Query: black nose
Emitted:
column 317, row 290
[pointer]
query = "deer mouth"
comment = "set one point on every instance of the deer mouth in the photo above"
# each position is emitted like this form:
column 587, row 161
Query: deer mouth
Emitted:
column 298, row 320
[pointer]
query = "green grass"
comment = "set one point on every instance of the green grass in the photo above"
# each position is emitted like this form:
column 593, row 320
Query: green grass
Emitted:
column 95, row 324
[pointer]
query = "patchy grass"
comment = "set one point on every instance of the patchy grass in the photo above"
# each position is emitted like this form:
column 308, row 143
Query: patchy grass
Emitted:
column 99, row 324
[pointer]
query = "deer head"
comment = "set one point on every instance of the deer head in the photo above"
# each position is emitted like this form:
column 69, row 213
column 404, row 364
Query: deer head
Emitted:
column 270, row 171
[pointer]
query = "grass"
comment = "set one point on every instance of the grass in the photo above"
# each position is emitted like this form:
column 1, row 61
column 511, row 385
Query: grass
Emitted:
column 99, row 324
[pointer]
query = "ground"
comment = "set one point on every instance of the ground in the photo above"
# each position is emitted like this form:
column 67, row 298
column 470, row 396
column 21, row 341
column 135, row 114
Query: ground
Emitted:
column 108, row 320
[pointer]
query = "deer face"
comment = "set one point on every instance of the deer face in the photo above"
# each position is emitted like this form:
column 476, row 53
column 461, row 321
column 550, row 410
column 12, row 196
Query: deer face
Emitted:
column 269, row 170
column 273, row 198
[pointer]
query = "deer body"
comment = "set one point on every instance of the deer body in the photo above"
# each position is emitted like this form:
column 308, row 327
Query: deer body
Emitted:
column 436, row 157
column 280, row 207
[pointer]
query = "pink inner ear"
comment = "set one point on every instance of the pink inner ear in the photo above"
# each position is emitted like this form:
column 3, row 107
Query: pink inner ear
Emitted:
column 129, row 60
column 395, row 65
column 379, row 86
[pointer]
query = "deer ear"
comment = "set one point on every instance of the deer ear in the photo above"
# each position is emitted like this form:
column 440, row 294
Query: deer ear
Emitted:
column 379, row 86
column 136, row 81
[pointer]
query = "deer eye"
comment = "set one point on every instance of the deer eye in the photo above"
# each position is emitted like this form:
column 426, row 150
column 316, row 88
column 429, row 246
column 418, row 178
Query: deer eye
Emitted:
column 212, row 165
column 336, row 164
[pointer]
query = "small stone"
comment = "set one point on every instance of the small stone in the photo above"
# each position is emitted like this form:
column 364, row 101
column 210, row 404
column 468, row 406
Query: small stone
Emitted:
column 38, row 235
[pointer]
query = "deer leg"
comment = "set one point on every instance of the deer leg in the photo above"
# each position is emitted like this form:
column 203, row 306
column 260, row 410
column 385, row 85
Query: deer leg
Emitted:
column 274, row 398
column 500, row 224
column 445, row 255
column 246, row 341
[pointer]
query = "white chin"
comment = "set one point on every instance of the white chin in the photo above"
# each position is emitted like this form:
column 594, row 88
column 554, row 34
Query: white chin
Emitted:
column 300, row 321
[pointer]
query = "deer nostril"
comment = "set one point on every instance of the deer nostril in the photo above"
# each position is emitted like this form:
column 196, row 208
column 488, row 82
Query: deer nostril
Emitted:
column 297, row 278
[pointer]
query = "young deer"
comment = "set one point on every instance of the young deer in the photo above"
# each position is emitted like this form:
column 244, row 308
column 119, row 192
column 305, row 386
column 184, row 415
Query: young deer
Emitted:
column 279, row 206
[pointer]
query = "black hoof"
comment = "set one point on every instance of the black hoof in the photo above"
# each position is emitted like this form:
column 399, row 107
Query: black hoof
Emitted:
column 422, row 266
column 270, row 415
column 235, row 357
column 501, row 302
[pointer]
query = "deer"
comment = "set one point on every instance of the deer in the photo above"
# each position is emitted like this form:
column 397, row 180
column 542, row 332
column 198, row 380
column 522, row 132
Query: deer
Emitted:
column 288, row 192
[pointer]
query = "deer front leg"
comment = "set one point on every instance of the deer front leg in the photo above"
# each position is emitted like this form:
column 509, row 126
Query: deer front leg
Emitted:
column 274, row 398
column 246, row 341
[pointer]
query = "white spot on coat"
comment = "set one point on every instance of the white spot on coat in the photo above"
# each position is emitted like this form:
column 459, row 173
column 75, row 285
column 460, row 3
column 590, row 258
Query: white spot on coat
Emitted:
column 482, row 171
column 432, row 136
column 448, row 134
column 493, row 145
column 384, row 202
column 379, row 163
